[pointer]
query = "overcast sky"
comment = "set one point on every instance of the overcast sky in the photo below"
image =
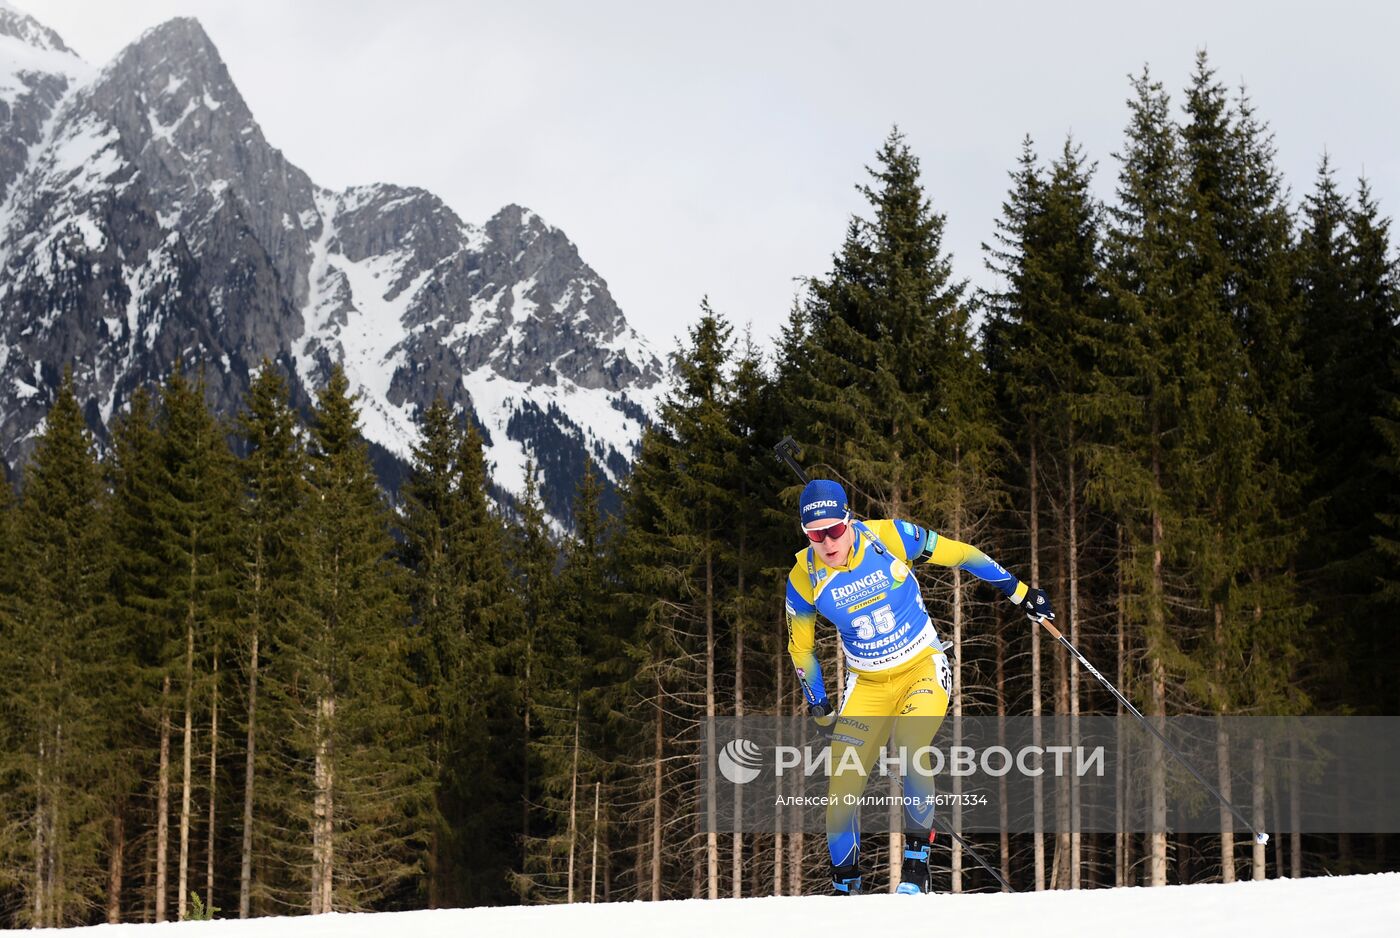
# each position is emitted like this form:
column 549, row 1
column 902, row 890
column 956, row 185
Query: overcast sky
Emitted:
column 713, row 148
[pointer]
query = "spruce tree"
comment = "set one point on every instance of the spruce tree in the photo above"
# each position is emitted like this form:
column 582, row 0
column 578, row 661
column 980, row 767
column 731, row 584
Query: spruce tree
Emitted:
column 675, row 554
column 194, row 523
column 1325, row 281
column 1240, row 500
column 433, row 525
column 884, row 328
column 361, row 722
column 547, row 676
column 486, row 748
column 1387, row 542
column 271, row 612
column 1048, row 333
column 58, row 675
column 1243, row 419
column 135, row 604
column 1147, row 387
column 1353, row 340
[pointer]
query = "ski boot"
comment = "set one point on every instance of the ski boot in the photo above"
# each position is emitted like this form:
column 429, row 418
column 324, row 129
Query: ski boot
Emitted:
column 914, row 874
column 845, row 880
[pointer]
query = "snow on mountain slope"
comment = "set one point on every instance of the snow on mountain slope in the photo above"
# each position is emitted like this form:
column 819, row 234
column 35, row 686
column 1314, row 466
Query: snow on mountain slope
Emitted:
column 28, row 50
column 36, row 71
column 145, row 223
column 1340, row 907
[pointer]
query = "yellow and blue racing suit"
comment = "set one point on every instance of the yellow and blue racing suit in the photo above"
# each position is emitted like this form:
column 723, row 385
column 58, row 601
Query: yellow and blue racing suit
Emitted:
column 899, row 679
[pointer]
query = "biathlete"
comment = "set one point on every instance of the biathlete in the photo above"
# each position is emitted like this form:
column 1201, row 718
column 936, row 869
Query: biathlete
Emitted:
column 857, row 575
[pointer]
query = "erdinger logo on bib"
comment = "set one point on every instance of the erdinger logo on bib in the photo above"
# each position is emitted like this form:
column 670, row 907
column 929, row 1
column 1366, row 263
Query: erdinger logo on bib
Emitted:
column 875, row 581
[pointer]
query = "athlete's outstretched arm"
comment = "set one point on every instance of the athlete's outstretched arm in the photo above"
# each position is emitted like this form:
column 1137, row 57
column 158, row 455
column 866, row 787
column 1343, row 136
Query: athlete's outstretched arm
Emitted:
column 916, row 544
column 802, row 641
column 947, row 552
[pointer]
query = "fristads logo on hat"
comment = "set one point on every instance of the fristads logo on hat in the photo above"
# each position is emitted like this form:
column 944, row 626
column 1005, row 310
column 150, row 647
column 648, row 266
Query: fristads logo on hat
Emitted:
column 823, row 500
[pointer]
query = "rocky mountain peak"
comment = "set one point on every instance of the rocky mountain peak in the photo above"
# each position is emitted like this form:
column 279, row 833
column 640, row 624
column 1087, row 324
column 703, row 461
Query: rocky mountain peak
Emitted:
column 36, row 70
column 150, row 224
column 17, row 24
column 172, row 73
column 184, row 126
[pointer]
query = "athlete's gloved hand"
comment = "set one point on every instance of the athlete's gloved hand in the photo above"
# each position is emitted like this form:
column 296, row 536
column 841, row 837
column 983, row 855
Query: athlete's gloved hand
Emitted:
column 1036, row 605
column 824, row 716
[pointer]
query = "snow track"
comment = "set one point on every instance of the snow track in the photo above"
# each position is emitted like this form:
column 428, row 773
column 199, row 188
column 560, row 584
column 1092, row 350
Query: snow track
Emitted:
column 1335, row 907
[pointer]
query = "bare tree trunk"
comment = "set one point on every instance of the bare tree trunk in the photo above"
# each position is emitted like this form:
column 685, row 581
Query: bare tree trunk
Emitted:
column 1158, row 861
column 1260, row 850
column 245, row 874
column 573, row 807
column 639, row 858
column 1295, row 813
column 1120, row 782
column 840, row 678
column 526, row 705
column 323, row 809
column 328, row 822
column 163, row 802
column 1224, row 783
column 1158, row 826
column 41, row 849
column 213, row 782
column 656, row 803
column 318, row 810
column 593, row 863
column 148, row 882
column 896, row 836
column 797, row 839
column 697, row 883
column 1038, row 783
column 607, row 859
column 328, row 884
column 796, row 862
column 1060, row 874
column 187, row 779
column 115, row 866
column 737, row 846
column 54, row 872
column 1076, row 839
column 779, row 681
column 1003, row 811
column 1345, row 853
column 711, row 834
column 956, row 862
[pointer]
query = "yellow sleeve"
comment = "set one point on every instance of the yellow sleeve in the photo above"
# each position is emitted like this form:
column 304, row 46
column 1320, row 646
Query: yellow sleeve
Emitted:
column 950, row 553
column 802, row 632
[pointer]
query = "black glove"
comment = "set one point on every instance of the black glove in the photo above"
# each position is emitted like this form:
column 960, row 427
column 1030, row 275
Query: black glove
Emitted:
column 1036, row 605
column 824, row 716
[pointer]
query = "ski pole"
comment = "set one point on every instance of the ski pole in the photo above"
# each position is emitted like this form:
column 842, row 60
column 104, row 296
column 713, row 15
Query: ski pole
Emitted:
column 1260, row 837
column 996, row 874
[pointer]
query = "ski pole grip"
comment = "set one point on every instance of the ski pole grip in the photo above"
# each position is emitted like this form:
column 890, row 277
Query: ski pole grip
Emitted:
column 786, row 450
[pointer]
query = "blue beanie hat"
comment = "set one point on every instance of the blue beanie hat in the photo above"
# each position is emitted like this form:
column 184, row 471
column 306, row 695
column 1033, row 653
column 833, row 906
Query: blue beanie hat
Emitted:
column 823, row 500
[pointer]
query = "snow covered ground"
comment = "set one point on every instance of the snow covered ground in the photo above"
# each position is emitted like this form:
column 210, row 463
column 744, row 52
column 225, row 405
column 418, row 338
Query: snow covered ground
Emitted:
column 1336, row 907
